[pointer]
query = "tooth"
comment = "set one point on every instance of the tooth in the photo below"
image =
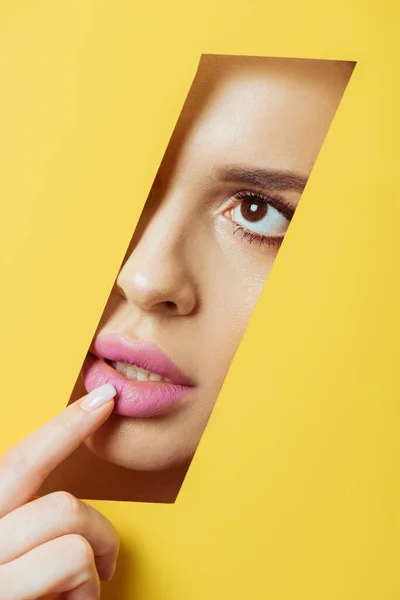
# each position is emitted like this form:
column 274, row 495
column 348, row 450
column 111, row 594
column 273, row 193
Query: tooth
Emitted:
column 134, row 372
column 154, row 377
column 130, row 372
column 141, row 374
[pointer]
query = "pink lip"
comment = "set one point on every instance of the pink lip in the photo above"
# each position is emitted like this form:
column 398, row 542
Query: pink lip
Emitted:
column 135, row 398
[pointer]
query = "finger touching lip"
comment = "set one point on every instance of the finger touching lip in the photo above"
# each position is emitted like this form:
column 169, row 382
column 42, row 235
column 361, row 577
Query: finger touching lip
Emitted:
column 140, row 399
column 27, row 464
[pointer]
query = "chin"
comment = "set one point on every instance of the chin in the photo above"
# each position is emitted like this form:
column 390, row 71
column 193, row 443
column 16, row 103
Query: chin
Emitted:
column 136, row 444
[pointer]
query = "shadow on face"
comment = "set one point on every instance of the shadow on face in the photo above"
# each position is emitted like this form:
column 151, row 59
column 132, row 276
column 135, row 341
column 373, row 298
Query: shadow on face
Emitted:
column 228, row 186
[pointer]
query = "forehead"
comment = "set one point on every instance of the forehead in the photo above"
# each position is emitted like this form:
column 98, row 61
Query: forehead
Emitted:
column 258, row 112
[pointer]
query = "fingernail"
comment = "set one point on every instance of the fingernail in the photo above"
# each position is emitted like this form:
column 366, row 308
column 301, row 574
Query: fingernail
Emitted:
column 98, row 397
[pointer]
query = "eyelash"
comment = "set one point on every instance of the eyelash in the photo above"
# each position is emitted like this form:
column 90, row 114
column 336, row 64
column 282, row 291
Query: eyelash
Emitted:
column 274, row 201
column 251, row 236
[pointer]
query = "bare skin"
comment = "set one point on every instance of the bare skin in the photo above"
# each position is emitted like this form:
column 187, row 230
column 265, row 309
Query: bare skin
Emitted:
column 54, row 544
column 250, row 131
column 187, row 276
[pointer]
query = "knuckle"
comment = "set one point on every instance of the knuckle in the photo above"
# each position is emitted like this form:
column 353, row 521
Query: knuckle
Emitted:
column 82, row 552
column 70, row 507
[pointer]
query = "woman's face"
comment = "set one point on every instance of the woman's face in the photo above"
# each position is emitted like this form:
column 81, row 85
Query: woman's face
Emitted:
column 217, row 213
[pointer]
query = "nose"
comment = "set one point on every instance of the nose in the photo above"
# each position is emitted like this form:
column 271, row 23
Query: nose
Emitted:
column 157, row 277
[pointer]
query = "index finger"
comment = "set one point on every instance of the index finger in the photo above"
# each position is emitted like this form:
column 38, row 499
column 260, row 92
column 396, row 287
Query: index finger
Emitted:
column 27, row 464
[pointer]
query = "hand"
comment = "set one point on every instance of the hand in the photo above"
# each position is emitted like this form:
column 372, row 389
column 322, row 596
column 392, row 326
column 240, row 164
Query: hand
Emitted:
column 55, row 544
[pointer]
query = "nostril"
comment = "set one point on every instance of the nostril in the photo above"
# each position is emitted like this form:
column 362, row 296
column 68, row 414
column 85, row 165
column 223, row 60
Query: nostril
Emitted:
column 170, row 305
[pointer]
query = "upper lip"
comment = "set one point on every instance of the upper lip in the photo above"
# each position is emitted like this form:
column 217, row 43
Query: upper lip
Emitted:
column 115, row 347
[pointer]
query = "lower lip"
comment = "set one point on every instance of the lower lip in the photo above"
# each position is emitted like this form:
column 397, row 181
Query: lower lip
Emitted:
column 134, row 398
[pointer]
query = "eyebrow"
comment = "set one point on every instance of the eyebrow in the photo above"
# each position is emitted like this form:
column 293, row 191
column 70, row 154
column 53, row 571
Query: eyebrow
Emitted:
column 270, row 179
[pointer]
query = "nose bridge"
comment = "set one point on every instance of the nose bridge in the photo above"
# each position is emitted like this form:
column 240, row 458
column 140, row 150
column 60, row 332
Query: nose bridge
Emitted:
column 157, row 274
column 163, row 234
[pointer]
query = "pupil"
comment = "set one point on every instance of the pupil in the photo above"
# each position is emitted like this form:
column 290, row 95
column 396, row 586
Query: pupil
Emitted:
column 253, row 210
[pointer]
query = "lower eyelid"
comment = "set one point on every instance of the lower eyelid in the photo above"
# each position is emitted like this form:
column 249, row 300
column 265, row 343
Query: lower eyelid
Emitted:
column 253, row 237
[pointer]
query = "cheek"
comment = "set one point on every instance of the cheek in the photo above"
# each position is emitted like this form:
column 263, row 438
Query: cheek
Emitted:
column 233, row 287
column 242, row 296
column 246, row 268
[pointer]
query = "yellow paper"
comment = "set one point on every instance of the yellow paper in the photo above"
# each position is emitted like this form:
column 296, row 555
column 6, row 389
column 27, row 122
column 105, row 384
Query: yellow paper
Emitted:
column 293, row 493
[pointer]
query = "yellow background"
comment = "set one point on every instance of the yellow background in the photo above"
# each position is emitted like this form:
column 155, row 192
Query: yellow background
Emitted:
column 294, row 491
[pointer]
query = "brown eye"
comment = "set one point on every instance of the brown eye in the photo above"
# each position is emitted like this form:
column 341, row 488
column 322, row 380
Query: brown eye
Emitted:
column 253, row 210
column 258, row 216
